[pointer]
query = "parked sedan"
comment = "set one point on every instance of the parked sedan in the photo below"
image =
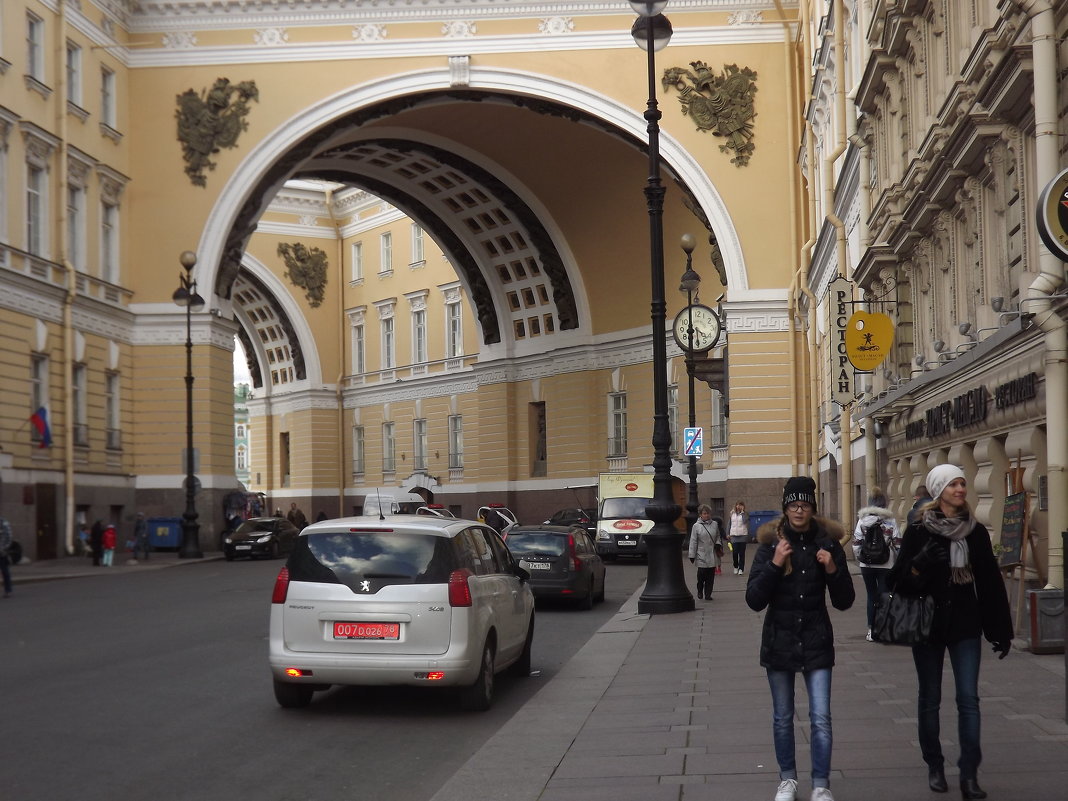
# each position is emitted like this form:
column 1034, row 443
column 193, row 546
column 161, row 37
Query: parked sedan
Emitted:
column 587, row 518
column 415, row 600
column 562, row 562
column 261, row 536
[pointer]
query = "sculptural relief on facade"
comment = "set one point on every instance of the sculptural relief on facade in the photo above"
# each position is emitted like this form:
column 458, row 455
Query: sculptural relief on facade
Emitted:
column 721, row 104
column 211, row 120
column 305, row 268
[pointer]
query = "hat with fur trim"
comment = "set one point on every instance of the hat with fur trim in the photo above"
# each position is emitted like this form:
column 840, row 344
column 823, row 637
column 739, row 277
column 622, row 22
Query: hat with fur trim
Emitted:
column 799, row 488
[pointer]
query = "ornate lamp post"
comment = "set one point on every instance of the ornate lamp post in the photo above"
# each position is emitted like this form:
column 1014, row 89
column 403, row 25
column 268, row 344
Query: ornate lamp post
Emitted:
column 689, row 284
column 665, row 586
column 186, row 295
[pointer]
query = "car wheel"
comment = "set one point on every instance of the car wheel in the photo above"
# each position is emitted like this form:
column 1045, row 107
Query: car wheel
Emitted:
column 587, row 602
column 479, row 696
column 522, row 665
column 292, row 696
column 600, row 595
column 229, row 556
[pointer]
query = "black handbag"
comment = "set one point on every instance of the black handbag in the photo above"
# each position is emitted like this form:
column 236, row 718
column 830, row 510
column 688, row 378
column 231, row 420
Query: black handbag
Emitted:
column 903, row 619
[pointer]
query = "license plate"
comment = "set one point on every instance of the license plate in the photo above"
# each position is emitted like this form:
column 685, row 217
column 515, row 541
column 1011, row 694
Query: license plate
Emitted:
column 242, row 547
column 366, row 631
column 627, row 542
column 536, row 565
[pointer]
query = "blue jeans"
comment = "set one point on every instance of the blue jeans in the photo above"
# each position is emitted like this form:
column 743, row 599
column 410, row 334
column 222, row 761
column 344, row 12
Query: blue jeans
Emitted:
column 818, row 685
column 875, row 584
column 964, row 656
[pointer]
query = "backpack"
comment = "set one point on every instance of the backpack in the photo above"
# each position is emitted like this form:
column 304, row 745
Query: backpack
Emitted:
column 875, row 550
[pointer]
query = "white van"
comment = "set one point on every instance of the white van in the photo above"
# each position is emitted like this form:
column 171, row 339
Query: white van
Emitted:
column 390, row 501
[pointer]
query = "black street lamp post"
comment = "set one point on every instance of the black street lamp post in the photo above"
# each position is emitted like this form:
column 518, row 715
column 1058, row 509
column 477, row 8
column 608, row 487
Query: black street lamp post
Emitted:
column 665, row 587
column 689, row 284
column 186, row 295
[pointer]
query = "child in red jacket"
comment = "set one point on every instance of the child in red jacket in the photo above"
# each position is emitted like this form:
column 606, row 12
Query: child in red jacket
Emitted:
column 109, row 542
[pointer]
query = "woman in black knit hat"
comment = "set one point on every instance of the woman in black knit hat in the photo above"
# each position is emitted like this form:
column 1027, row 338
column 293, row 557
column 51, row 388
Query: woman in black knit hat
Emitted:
column 799, row 562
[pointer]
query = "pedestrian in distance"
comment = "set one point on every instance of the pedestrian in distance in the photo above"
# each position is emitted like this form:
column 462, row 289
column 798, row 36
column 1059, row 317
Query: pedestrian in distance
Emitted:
column 919, row 498
column 96, row 542
column 7, row 536
column 799, row 563
column 946, row 553
column 876, row 541
column 108, row 542
column 81, row 541
column 739, row 536
column 296, row 516
column 141, row 544
column 706, row 548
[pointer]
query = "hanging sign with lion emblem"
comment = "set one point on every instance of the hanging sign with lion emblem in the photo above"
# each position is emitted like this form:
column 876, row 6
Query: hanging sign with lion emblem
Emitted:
column 722, row 104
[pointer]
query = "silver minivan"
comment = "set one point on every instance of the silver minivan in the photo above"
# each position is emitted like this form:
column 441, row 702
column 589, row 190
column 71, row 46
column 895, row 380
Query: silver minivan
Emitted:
column 404, row 600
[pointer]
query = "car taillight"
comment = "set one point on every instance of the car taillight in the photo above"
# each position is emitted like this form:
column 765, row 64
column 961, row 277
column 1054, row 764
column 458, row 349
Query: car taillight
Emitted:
column 576, row 563
column 459, row 591
column 281, row 587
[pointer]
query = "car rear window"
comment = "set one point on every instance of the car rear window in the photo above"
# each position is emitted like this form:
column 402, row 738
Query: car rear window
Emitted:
column 536, row 543
column 256, row 525
column 350, row 558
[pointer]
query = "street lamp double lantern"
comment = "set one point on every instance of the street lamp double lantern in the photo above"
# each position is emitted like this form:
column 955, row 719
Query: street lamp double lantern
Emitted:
column 665, row 586
column 186, row 295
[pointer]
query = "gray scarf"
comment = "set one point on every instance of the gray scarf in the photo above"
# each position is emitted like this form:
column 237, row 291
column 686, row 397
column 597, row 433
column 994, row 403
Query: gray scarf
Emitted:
column 954, row 529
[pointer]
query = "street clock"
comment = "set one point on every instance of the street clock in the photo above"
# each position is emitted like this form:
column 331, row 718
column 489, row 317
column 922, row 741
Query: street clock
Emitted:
column 706, row 328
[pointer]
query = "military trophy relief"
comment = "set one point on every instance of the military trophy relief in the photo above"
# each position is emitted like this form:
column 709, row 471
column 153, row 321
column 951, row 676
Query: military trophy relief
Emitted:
column 211, row 120
column 305, row 268
column 721, row 104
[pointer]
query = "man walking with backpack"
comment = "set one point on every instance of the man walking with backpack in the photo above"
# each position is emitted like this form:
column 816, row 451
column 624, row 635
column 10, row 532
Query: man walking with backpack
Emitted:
column 876, row 541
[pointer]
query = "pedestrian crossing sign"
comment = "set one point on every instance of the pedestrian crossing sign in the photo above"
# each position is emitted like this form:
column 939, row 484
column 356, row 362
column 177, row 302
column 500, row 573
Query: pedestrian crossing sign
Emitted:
column 693, row 440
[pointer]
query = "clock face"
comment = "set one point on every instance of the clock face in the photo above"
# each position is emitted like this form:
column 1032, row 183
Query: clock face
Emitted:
column 706, row 328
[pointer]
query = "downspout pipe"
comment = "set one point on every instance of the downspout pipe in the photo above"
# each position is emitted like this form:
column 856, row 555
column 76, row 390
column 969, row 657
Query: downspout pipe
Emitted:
column 1049, row 280
column 340, row 384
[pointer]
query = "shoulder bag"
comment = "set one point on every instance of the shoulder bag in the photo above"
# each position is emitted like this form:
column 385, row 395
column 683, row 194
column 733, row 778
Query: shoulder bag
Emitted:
column 903, row 619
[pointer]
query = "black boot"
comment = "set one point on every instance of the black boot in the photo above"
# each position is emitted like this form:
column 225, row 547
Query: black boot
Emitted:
column 969, row 788
column 936, row 779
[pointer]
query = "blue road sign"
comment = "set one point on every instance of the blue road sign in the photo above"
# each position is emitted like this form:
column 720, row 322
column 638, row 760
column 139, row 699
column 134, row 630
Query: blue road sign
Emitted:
column 693, row 441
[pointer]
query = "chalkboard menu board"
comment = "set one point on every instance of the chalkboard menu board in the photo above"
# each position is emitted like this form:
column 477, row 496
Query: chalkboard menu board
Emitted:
column 1012, row 529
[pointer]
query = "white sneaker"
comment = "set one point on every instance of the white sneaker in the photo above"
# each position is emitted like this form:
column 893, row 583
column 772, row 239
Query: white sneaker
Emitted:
column 868, row 636
column 787, row 790
column 821, row 794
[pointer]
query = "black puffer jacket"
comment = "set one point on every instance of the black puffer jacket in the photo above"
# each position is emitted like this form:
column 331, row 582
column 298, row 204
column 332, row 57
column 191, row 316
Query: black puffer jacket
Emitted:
column 797, row 632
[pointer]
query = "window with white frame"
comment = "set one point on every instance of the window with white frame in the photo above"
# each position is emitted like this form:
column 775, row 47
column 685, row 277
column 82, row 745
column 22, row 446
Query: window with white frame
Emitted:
column 720, row 423
column 38, row 388
column 111, row 411
column 357, row 450
column 76, row 226
column 456, row 442
column 389, row 448
column 419, row 346
column 108, row 112
column 79, row 405
column 454, row 330
column 389, row 345
column 74, row 74
column 356, row 251
column 420, row 445
column 385, row 262
column 617, row 424
column 109, row 242
column 240, row 434
column 35, row 47
column 418, row 257
column 36, row 204
column 359, row 349
column 242, row 458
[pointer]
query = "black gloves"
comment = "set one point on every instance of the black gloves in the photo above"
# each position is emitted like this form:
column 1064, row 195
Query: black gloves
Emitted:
column 933, row 552
column 1002, row 649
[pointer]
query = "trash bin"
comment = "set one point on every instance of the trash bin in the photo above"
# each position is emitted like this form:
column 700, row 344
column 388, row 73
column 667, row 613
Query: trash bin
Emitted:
column 1045, row 621
column 757, row 519
column 164, row 532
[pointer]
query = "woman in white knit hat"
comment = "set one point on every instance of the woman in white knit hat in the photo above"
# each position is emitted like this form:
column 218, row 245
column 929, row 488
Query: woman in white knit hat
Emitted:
column 947, row 554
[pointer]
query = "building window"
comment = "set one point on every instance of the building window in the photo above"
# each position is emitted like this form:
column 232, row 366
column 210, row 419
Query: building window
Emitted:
column 359, row 349
column 419, row 434
column 385, row 264
column 357, row 261
column 418, row 257
column 240, row 431
column 76, row 226
column 74, row 74
column 720, row 423
column 35, row 61
column 389, row 449
column 419, row 353
column 389, row 345
column 79, row 406
column 456, row 442
column 454, row 332
column 38, row 389
column 36, row 185
column 357, row 451
column 107, row 97
column 539, row 452
column 617, row 424
column 242, row 458
column 109, row 243
column 283, row 458
column 673, row 418
column 111, row 411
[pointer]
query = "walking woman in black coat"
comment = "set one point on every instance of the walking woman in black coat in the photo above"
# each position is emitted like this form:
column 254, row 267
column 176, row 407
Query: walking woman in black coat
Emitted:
column 947, row 553
column 96, row 542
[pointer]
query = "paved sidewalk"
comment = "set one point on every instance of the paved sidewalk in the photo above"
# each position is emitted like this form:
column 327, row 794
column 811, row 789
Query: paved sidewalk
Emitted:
column 675, row 707
column 27, row 572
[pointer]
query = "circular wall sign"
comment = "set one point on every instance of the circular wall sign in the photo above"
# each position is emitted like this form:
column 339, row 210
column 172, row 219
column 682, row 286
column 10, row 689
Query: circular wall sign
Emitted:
column 1053, row 215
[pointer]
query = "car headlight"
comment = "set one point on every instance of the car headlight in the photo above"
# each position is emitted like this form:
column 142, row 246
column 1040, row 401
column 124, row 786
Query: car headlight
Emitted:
column 264, row 538
column 604, row 536
column 228, row 541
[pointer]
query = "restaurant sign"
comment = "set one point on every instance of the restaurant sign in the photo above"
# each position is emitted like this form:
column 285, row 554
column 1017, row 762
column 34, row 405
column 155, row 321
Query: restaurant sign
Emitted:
column 970, row 408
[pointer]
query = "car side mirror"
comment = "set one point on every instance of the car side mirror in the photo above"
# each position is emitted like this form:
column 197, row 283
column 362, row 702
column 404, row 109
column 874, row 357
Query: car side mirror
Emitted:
column 521, row 573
